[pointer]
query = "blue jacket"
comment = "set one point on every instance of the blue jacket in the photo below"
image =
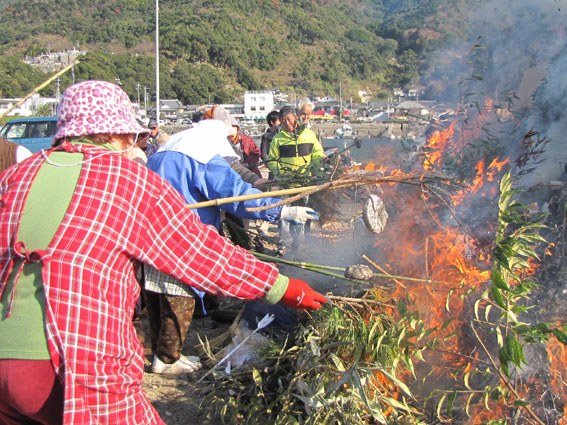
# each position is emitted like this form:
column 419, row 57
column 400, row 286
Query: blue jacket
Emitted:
column 199, row 182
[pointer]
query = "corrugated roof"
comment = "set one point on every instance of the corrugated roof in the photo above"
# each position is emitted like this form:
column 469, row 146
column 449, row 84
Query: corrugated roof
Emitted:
column 410, row 104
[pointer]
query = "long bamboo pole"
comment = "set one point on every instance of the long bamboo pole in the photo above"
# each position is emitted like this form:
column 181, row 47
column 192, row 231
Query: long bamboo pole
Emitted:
column 306, row 190
column 38, row 88
column 274, row 193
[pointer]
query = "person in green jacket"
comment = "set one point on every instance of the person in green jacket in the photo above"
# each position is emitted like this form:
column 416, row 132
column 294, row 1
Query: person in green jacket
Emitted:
column 292, row 152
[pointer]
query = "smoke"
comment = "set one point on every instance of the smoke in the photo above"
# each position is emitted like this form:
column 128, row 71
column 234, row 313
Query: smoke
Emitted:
column 516, row 54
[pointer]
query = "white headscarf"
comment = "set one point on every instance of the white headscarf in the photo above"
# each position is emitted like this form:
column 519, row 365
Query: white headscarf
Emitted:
column 201, row 142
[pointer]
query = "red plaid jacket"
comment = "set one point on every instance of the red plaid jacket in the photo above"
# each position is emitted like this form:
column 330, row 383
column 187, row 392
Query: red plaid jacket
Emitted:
column 121, row 213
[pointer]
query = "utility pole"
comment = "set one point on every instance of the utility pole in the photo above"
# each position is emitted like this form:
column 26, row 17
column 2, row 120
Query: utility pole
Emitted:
column 157, row 62
column 138, row 91
column 146, row 100
column 340, row 100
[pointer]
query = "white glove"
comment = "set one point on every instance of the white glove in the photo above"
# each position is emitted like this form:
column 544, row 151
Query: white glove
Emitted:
column 298, row 215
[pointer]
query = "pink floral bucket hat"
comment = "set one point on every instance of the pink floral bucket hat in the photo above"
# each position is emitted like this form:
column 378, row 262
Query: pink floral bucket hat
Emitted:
column 96, row 107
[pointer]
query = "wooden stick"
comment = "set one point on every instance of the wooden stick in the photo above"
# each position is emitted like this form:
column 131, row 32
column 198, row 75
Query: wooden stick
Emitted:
column 355, row 300
column 383, row 271
column 38, row 88
column 427, row 257
column 220, row 201
column 306, row 190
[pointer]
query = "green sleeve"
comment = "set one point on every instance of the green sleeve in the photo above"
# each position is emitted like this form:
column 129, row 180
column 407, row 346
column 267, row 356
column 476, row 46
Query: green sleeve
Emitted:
column 278, row 290
column 274, row 155
column 317, row 153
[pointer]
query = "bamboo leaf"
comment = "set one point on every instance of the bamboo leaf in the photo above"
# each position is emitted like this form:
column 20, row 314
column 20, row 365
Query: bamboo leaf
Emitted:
column 360, row 388
column 440, row 405
column 448, row 299
column 466, row 380
column 256, row 377
column 487, row 312
column 515, row 349
column 468, row 404
column 402, row 309
column 373, row 331
column 496, row 278
column 446, row 323
column 485, row 398
column 504, row 358
column 561, row 336
column 511, row 316
column 337, row 362
column 500, row 256
column 314, row 347
column 499, row 338
column 476, row 307
column 450, row 402
column 396, row 404
column 497, row 297
column 495, row 394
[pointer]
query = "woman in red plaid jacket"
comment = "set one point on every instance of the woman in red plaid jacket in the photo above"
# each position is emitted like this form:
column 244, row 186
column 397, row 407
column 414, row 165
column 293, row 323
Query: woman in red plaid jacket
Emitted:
column 75, row 221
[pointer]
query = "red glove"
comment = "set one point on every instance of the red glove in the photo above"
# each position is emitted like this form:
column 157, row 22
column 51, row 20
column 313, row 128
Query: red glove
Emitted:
column 300, row 295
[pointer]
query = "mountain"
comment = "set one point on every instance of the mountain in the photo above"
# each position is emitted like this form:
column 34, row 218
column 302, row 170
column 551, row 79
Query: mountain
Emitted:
column 213, row 50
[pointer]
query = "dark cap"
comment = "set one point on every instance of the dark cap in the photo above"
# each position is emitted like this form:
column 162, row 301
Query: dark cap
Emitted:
column 153, row 123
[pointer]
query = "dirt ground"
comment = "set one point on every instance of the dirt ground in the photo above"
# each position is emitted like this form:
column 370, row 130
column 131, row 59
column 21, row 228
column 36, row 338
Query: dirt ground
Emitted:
column 178, row 399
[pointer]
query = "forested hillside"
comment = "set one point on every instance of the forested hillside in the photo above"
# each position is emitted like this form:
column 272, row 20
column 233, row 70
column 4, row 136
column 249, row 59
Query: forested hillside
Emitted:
column 213, row 50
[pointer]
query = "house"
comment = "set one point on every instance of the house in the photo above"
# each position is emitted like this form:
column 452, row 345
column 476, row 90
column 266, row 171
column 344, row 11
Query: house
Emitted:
column 257, row 104
column 411, row 109
column 169, row 109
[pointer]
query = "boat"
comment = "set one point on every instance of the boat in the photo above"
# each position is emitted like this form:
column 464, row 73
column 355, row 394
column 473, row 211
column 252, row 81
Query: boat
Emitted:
column 344, row 132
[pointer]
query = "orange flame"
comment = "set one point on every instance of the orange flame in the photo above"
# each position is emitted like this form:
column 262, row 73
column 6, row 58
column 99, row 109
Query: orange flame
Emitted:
column 557, row 355
column 438, row 142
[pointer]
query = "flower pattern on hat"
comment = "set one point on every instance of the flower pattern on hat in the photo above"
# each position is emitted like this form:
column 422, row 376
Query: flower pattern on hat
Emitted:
column 96, row 107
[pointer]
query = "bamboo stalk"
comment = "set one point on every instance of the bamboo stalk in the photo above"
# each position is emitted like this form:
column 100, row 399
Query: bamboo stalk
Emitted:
column 336, row 184
column 355, row 300
column 319, row 268
column 384, row 271
column 38, row 88
column 306, row 190
column 220, row 201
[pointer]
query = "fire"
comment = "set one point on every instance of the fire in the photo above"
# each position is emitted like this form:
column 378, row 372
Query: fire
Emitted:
column 557, row 355
column 489, row 174
column 438, row 142
column 443, row 241
column 495, row 167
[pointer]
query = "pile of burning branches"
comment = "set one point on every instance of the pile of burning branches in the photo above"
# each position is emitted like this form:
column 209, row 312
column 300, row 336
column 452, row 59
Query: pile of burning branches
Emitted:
column 343, row 365
column 477, row 337
column 480, row 358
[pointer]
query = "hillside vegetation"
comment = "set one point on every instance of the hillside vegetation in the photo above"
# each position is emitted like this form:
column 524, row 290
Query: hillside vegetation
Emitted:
column 213, row 50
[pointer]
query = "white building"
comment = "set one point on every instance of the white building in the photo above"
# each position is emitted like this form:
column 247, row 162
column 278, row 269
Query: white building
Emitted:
column 258, row 104
column 29, row 107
